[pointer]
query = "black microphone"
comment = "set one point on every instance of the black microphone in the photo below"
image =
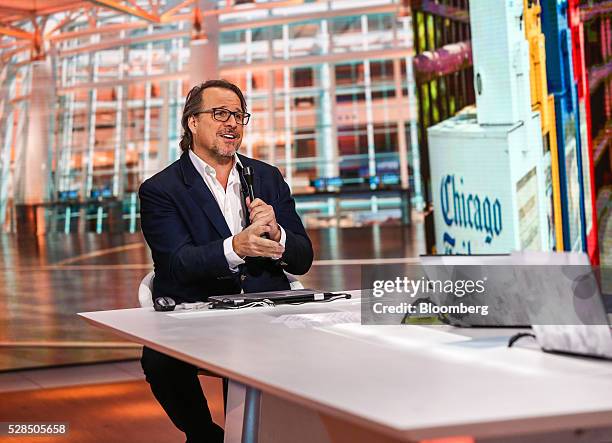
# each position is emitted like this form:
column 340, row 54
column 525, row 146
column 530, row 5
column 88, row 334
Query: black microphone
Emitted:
column 248, row 178
column 247, row 173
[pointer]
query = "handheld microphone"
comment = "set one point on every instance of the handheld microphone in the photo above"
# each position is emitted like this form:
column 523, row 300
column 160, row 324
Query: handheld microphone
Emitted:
column 248, row 177
column 247, row 173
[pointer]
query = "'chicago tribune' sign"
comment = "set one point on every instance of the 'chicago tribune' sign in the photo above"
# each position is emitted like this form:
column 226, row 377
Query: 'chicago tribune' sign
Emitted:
column 479, row 213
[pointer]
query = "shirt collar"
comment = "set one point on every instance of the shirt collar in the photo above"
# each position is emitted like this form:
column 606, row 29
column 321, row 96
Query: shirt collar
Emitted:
column 205, row 169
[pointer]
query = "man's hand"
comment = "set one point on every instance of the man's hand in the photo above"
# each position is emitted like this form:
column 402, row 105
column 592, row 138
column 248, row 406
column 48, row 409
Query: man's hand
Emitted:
column 249, row 243
column 259, row 211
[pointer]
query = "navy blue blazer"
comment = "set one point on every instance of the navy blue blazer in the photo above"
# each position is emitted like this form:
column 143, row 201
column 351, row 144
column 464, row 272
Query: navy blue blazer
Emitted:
column 184, row 227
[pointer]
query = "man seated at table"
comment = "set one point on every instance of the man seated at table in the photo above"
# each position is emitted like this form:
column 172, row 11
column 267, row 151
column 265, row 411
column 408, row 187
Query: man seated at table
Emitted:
column 207, row 240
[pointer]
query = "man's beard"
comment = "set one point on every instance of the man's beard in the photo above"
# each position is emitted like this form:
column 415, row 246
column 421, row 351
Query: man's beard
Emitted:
column 222, row 151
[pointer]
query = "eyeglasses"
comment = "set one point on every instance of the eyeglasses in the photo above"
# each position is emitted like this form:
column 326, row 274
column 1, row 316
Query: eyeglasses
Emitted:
column 223, row 115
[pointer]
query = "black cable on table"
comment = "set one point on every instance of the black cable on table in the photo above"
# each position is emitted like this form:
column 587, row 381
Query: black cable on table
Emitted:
column 518, row 336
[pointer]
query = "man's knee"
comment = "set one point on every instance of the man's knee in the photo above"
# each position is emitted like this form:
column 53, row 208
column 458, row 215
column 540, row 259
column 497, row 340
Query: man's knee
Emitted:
column 162, row 367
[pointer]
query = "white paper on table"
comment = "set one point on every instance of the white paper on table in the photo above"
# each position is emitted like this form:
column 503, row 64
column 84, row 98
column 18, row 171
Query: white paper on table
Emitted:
column 321, row 319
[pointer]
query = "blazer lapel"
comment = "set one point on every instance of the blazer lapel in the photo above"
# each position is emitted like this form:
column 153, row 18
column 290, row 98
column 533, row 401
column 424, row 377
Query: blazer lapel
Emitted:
column 206, row 200
column 203, row 197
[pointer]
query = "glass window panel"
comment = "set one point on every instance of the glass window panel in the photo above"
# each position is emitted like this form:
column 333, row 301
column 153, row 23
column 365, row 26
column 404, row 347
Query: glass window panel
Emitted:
column 302, row 30
column 352, row 140
column 302, row 77
column 106, row 124
column 346, row 25
column 230, row 37
column 259, row 50
column 261, row 151
column 102, row 182
column 385, row 137
column 237, row 79
column 79, row 137
column 79, row 129
column 278, row 48
column 349, row 73
column 76, row 164
column 350, row 97
column 354, row 167
column 304, row 102
column 380, row 22
column 381, row 71
column 81, row 95
column 136, row 91
column 305, row 144
column 135, row 124
column 155, row 123
column 260, row 34
column 259, row 81
column 106, row 94
column 383, row 94
column 303, row 173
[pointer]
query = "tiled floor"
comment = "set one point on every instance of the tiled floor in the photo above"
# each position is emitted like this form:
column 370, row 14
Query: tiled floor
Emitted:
column 70, row 376
column 122, row 411
column 106, row 402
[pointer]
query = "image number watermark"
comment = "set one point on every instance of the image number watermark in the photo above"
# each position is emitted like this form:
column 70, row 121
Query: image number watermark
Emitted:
column 33, row 428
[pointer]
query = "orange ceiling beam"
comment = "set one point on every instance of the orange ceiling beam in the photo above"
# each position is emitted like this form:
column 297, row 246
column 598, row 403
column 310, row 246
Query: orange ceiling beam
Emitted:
column 175, row 8
column 15, row 32
column 135, row 11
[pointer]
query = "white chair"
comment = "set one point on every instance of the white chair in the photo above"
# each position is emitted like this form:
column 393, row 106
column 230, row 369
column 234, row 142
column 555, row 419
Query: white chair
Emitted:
column 145, row 290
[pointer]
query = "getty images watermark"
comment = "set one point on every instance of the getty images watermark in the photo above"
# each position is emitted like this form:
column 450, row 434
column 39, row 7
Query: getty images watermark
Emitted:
column 482, row 295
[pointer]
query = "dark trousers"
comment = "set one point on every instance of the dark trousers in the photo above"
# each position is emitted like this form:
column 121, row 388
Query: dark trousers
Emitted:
column 176, row 387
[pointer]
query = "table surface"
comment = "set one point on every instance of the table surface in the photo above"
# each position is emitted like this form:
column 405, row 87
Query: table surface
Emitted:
column 409, row 382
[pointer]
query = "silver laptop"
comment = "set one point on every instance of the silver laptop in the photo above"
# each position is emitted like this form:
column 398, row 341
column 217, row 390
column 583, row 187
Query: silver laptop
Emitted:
column 502, row 296
column 564, row 304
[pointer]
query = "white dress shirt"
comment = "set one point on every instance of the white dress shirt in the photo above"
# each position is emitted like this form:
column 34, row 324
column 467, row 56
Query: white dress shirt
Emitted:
column 230, row 204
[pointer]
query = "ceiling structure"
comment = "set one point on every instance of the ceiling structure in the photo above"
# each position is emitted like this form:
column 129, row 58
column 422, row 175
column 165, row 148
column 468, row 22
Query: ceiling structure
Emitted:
column 16, row 17
column 28, row 23
column 11, row 10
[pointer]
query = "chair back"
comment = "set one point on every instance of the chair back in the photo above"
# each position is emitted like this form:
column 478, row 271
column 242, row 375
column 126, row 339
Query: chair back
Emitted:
column 145, row 290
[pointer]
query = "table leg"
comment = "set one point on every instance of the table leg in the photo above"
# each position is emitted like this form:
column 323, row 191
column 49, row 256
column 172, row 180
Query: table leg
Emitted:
column 250, row 424
column 243, row 413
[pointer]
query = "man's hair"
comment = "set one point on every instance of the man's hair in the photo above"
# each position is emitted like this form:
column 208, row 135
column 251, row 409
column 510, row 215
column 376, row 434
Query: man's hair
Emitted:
column 193, row 105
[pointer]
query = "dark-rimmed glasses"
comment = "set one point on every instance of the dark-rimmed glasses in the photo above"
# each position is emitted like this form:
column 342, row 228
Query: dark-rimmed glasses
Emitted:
column 223, row 115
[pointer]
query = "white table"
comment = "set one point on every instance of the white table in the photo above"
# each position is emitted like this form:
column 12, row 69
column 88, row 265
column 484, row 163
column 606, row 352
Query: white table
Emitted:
column 348, row 382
